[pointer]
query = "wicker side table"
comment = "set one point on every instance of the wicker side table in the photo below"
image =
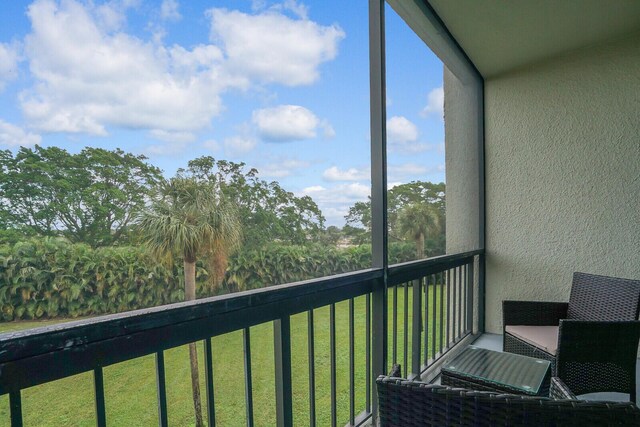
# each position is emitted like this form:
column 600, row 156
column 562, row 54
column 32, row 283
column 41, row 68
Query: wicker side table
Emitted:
column 481, row 369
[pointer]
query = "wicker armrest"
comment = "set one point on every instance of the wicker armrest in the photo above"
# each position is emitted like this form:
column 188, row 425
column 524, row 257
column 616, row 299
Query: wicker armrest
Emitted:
column 598, row 341
column 598, row 356
column 396, row 371
column 533, row 313
column 559, row 390
column 413, row 403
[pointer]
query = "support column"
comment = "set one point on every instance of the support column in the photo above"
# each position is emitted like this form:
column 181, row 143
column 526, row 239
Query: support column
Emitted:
column 378, row 191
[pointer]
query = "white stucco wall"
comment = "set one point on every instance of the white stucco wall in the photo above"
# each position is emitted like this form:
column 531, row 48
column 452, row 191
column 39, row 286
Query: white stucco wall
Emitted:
column 461, row 166
column 463, row 185
column 562, row 172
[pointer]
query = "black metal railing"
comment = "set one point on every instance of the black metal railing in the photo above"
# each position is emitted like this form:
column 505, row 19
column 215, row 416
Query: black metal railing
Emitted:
column 438, row 299
column 437, row 311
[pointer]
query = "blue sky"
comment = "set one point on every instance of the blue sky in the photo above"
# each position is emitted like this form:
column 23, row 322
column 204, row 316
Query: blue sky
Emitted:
column 280, row 85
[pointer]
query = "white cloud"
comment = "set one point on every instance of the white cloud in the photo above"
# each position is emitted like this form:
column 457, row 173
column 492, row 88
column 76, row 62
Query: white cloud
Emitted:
column 89, row 78
column 14, row 136
column 240, row 144
column 169, row 10
column 410, row 148
column 110, row 16
column 401, row 130
column 435, row 103
column 272, row 47
column 335, row 215
column 309, row 191
column 327, row 130
column 402, row 137
column 258, row 5
column 211, row 145
column 351, row 174
column 171, row 148
column 336, row 200
column 171, row 136
column 9, row 58
column 411, row 171
column 281, row 168
column 341, row 193
column 298, row 9
column 285, row 123
column 407, row 169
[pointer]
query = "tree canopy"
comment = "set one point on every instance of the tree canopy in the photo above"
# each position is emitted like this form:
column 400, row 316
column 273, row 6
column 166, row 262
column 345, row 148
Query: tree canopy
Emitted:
column 358, row 220
column 96, row 196
column 93, row 196
column 268, row 212
column 416, row 221
column 192, row 220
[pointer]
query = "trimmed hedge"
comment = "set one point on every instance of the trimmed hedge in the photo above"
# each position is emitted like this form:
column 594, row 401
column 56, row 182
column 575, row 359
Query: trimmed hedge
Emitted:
column 50, row 277
column 285, row 264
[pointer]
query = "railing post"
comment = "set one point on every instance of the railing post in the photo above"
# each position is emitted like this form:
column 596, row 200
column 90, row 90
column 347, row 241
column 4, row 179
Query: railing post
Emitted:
column 98, row 386
column 332, row 365
column 312, row 369
column 416, row 328
column 377, row 122
column 248, row 376
column 282, row 351
column 208, row 374
column 15, row 405
column 470, row 279
column 481, row 293
column 163, row 420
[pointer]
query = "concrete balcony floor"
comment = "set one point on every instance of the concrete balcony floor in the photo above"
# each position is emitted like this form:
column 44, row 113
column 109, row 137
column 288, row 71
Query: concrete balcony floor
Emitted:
column 494, row 342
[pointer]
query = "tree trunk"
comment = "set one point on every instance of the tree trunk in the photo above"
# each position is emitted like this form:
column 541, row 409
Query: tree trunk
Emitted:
column 189, row 280
column 190, row 294
column 420, row 246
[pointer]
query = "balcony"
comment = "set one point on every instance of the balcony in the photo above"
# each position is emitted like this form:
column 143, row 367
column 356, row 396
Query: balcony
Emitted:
column 542, row 180
column 430, row 307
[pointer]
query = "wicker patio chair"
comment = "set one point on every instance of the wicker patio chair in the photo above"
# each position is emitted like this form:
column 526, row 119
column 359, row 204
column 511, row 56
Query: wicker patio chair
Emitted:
column 591, row 341
column 405, row 403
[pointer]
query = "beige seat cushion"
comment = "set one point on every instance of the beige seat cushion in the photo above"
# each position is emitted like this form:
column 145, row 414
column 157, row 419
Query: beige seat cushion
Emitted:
column 543, row 337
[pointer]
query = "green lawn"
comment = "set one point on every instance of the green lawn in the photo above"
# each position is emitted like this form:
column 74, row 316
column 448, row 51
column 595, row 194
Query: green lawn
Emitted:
column 130, row 386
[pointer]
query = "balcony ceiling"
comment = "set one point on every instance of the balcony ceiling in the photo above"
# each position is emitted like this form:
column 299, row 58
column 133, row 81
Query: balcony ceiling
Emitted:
column 501, row 35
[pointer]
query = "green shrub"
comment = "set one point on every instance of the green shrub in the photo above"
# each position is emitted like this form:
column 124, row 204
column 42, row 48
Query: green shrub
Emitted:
column 50, row 277
column 276, row 264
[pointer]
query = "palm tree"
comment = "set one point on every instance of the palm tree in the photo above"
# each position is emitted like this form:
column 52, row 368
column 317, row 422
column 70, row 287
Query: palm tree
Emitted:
column 189, row 219
column 417, row 220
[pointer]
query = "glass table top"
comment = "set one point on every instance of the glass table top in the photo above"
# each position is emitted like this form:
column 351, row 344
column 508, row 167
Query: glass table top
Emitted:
column 503, row 369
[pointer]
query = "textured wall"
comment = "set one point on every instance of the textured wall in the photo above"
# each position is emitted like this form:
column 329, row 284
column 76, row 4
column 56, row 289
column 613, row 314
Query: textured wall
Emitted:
column 462, row 172
column 562, row 173
column 461, row 165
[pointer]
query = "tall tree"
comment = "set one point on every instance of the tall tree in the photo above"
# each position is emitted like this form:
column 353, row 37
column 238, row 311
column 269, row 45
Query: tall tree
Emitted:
column 191, row 219
column 268, row 212
column 358, row 218
column 416, row 221
column 358, row 223
column 92, row 197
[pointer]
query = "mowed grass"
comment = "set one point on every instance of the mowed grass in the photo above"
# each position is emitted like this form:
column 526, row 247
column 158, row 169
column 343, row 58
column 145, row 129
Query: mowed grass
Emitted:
column 130, row 387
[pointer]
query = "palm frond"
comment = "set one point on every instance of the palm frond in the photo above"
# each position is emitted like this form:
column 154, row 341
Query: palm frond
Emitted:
column 190, row 220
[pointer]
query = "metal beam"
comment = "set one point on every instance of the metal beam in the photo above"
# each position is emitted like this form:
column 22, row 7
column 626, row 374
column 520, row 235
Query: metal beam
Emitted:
column 378, row 190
